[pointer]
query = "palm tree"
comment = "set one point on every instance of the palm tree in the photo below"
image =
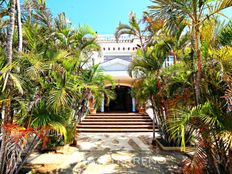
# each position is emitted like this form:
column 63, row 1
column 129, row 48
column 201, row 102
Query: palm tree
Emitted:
column 94, row 81
column 56, row 75
column 149, row 61
column 5, row 110
column 194, row 11
column 146, row 67
column 9, row 46
column 213, row 134
column 19, row 26
column 210, row 121
column 3, row 24
column 177, row 40
column 132, row 29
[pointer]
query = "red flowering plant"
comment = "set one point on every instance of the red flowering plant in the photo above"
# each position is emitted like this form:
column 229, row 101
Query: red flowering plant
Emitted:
column 17, row 143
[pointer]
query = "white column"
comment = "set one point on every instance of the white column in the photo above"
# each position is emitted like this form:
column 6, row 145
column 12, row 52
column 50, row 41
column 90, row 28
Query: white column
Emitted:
column 103, row 105
column 133, row 104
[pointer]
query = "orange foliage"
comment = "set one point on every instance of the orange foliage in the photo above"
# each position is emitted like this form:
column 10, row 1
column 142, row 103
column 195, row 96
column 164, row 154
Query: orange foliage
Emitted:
column 18, row 133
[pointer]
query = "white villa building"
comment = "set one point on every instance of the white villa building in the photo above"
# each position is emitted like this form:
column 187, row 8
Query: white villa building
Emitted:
column 114, row 58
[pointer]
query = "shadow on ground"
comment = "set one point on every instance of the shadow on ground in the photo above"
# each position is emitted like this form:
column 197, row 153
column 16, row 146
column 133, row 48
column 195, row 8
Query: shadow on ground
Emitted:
column 109, row 154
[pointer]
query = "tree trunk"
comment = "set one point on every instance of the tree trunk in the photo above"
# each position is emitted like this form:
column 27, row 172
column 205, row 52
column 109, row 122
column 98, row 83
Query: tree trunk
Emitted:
column 9, row 53
column 2, row 149
column 155, row 120
column 199, row 64
column 199, row 69
column 196, row 35
column 19, row 23
column 32, row 147
column 9, row 45
column 87, row 95
column 174, row 56
column 5, row 133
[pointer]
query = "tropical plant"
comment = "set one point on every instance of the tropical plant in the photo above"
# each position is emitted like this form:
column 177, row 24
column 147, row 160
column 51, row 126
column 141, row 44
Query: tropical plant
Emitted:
column 212, row 129
column 6, row 114
column 146, row 67
column 195, row 13
column 46, row 84
column 133, row 29
column 225, row 36
column 210, row 122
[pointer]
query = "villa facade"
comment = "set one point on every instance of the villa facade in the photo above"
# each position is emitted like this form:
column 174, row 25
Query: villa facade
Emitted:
column 114, row 58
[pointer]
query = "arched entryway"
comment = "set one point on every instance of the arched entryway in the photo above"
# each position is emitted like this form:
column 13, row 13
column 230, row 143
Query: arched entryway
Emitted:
column 123, row 101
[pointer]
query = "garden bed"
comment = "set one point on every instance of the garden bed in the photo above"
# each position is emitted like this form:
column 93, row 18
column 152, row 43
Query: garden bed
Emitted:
column 162, row 145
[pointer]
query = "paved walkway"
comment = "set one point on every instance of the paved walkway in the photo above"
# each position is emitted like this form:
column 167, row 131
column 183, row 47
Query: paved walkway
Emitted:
column 115, row 153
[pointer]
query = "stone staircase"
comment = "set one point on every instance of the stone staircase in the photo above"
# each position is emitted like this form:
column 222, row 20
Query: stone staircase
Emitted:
column 116, row 122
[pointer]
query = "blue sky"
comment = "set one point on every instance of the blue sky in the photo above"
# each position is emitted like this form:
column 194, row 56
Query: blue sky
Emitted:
column 102, row 15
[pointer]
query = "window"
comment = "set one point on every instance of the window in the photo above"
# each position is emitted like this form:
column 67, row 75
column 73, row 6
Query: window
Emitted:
column 114, row 49
column 118, row 48
column 123, row 48
column 128, row 48
column 109, row 49
column 169, row 61
column 104, row 48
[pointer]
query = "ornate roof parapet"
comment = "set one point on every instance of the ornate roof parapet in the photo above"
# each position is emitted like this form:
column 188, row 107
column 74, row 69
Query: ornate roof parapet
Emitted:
column 110, row 38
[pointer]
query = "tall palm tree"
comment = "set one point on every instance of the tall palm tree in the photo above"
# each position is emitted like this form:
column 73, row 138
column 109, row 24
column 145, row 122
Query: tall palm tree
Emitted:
column 9, row 54
column 210, row 121
column 9, row 46
column 146, row 67
column 194, row 11
column 19, row 26
column 56, row 78
column 3, row 23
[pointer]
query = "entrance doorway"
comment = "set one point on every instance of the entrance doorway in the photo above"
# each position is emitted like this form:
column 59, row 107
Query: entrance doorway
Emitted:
column 122, row 101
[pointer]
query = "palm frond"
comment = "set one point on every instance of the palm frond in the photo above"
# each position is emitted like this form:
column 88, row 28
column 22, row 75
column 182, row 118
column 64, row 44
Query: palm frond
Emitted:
column 218, row 7
column 16, row 82
column 60, row 128
column 59, row 99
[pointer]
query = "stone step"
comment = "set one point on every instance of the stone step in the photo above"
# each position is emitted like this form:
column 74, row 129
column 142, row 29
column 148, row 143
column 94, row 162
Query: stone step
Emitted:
column 115, row 126
column 109, row 115
column 114, row 130
column 118, row 114
column 116, row 120
column 116, row 117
